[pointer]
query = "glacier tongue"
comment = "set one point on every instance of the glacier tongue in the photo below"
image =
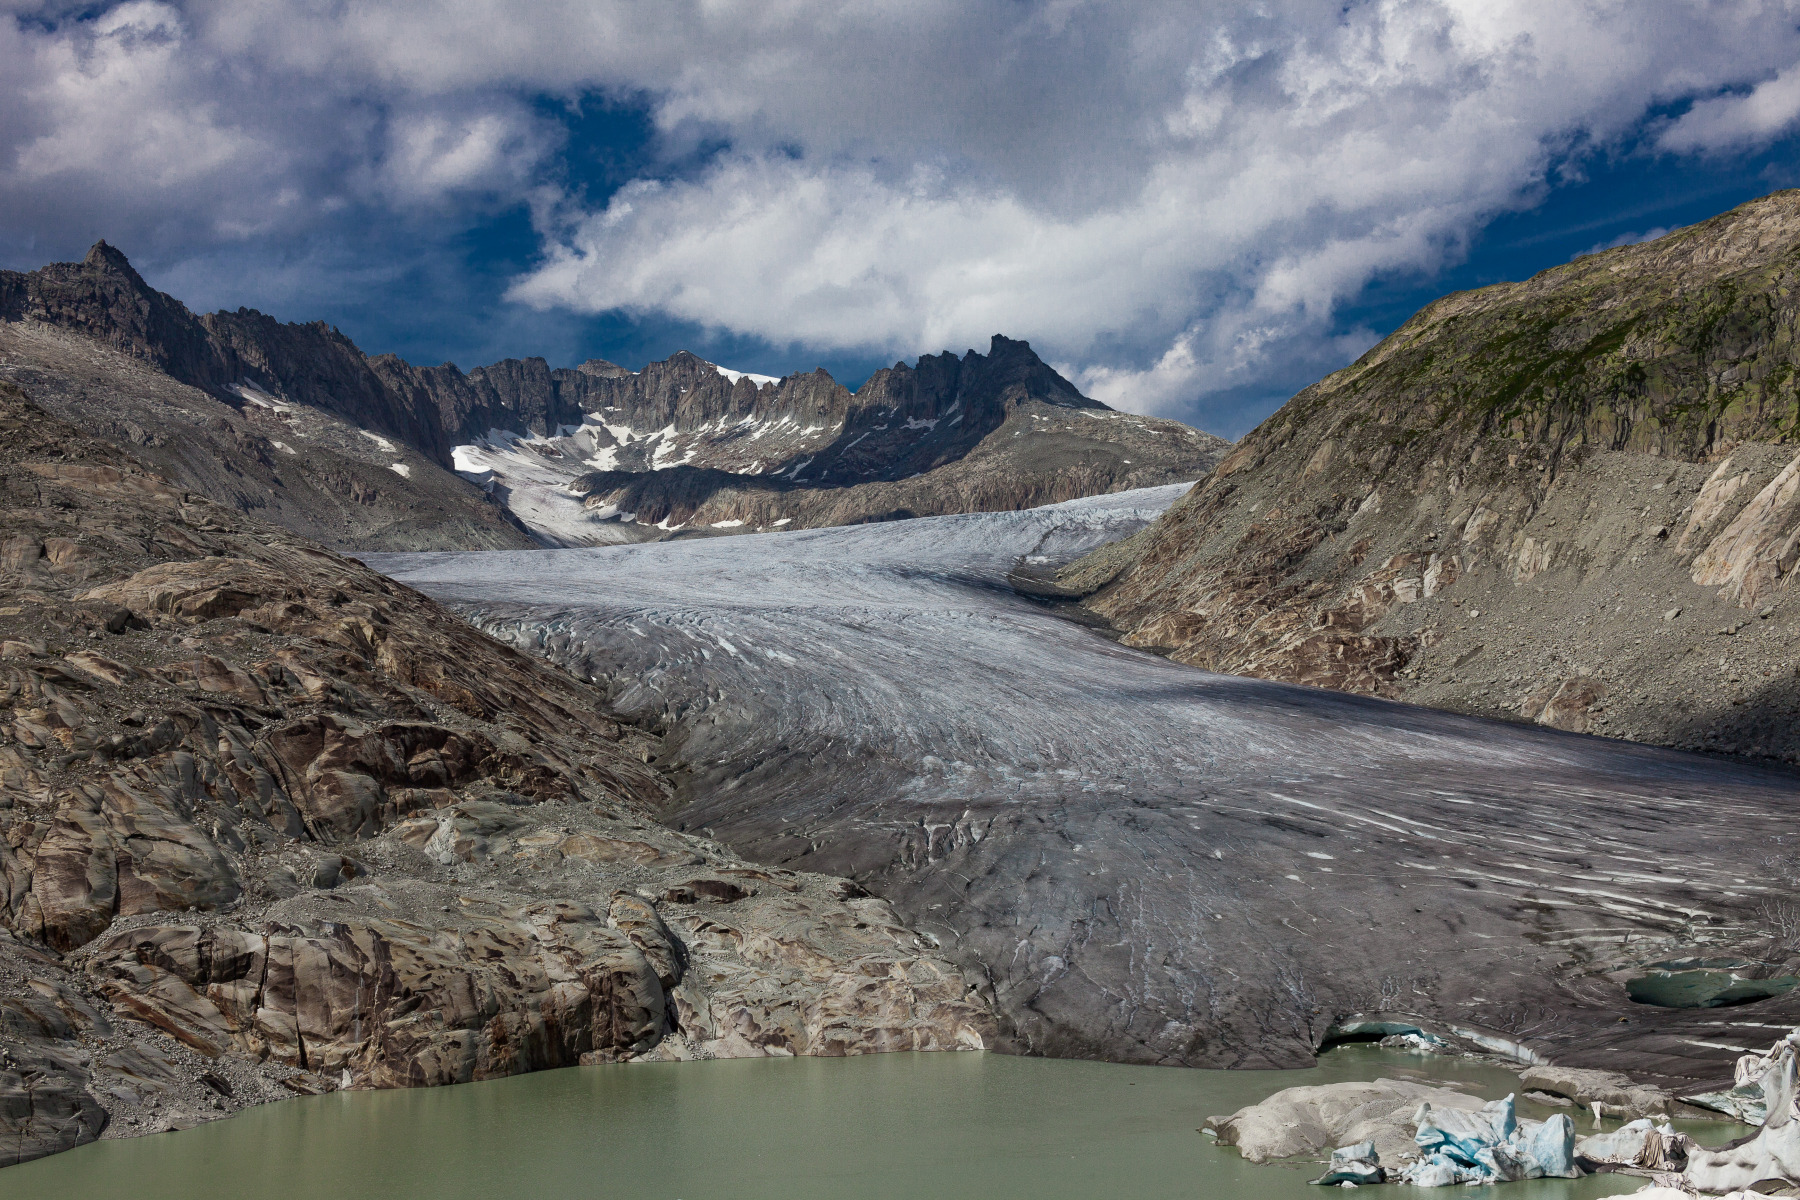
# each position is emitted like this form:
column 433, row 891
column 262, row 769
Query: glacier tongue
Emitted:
column 1145, row 861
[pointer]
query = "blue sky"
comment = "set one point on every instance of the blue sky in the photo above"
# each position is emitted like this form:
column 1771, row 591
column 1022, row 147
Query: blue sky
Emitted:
column 1620, row 197
column 1194, row 209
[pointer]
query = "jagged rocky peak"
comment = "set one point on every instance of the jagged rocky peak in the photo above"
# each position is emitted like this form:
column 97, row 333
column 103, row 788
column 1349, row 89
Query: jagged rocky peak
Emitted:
column 104, row 298
column 687, row 393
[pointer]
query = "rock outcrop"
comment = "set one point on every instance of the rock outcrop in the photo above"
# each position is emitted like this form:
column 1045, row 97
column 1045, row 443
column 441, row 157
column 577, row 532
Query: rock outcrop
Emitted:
column 1570, row 500
column 270, row 823
column 1617, row 1093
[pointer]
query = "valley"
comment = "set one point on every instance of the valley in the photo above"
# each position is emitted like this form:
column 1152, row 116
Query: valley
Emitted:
column 1147, row 863
column 685, row 714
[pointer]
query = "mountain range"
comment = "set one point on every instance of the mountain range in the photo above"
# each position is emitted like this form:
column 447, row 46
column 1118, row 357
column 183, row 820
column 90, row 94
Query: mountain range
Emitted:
column 293, row 422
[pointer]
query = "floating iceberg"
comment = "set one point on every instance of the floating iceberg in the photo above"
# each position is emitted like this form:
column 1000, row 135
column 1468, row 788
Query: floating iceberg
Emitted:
column 1358, row 1164
column 1774, row 1153
column 1490, row 1145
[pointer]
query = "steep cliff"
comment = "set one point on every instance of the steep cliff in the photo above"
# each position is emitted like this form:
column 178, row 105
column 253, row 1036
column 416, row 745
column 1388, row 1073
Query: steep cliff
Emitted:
column 1569, row 500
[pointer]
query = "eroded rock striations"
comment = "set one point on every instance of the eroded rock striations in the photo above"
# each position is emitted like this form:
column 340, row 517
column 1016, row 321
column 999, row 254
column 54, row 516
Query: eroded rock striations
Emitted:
column 1573, row 500
column 270, row 823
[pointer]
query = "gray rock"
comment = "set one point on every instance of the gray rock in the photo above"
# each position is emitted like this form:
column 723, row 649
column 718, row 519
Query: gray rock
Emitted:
column 1621, row 1096
column 45, row 1106
column 1310, row 1120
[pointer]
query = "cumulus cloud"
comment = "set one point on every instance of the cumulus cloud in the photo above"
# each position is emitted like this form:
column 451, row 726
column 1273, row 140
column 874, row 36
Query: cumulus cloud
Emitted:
column 1742, row 119
column 1259, row 167
column 1172, row 198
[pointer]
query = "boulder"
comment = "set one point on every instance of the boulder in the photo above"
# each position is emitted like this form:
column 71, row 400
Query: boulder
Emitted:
column 1617, row 1092
column 1309, row 1120
column 45, row 1106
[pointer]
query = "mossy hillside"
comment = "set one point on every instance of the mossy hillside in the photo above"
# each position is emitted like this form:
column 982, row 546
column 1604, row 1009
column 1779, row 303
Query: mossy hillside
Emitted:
column 1669, row 347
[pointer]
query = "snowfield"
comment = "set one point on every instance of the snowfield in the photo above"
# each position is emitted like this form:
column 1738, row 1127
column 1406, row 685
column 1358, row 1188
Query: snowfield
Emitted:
column 1140, row 860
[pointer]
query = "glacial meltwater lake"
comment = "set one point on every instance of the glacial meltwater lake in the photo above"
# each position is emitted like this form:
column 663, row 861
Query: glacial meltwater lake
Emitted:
column 936, row 1126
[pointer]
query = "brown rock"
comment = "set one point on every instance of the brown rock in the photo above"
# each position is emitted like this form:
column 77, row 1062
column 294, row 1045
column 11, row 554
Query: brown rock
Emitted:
column 45, row 1108
column 320, row 703
column 395, row 1004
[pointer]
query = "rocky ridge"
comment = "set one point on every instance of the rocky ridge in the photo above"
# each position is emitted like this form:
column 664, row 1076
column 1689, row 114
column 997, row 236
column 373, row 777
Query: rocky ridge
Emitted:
column 1571, row 500
column 685, row 446
column 270, row 823
column 295, row 424
column 290, row 464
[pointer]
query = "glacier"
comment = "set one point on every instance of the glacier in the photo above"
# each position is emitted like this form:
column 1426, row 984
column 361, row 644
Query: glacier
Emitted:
column 1142, row 861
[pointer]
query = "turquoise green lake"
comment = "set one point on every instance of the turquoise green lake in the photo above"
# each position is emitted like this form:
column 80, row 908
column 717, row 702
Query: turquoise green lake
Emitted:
column 889, row 1125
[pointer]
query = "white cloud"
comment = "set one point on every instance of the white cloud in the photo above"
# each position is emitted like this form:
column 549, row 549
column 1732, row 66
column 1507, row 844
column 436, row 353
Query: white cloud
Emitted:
column 1295, row 158
column 1625, row 239
column 1726, row 122
column 1172, row 197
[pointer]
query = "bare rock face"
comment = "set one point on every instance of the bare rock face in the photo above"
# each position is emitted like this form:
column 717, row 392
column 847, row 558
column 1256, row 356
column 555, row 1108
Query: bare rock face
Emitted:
column 1573, row 500
column 270, row 823
column 394, row 1003
column 324, row 475
column 103, row 298
column 45, row 1107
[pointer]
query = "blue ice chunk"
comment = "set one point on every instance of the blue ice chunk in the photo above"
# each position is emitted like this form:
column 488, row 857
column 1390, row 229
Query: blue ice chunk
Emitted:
column 1358, row 1164
column 1551, row 1148
column 1438, row 1170
column 1463, row 1135
column 1489, row 1145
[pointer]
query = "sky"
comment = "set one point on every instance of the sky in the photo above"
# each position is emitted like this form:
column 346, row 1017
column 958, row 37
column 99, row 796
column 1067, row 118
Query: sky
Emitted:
column 1192, row 209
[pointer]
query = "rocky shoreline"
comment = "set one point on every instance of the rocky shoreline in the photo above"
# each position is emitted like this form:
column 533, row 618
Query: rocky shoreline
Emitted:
column 1405, row 1131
